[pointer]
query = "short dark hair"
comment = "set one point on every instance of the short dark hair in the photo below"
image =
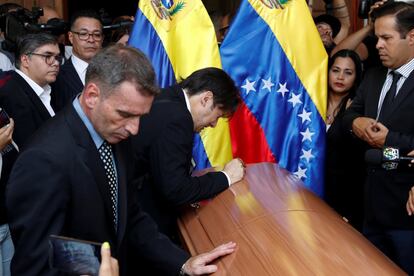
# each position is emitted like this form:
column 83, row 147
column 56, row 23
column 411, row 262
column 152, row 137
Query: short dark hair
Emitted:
column 216, row 17
column 117, row 64
column 118, row 33
column 29, row 43
column 331, row 20
column 84, row 13
column 403, row 12
column 225, row 93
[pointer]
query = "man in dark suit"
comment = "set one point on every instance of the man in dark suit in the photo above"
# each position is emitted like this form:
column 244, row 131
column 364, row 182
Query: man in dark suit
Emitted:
column 86, row 38
column 382, row 115
column 72, row 179
column 163, row 147
column 25, row 96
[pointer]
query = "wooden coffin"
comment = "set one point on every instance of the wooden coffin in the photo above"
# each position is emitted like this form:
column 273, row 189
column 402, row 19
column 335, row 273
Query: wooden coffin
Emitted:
column 281, row 228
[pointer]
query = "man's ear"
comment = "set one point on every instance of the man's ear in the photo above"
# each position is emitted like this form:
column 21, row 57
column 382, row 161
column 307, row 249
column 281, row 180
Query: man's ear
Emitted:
column 70, row 37
column 206, row 96
column 410, row 37
column 24, row 61
column 91, row 95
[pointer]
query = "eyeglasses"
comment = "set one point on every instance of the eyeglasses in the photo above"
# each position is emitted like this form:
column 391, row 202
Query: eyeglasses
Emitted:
column 97, row 36
column 49, row 59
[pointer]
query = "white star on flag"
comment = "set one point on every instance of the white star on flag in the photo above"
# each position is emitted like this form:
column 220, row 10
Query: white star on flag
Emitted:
column 295, row 99
column 249, row 86
column 282, row 89
column 307, row 154
column 307, row 135
column 267, row 84
column 305, row 115
column 300, row 173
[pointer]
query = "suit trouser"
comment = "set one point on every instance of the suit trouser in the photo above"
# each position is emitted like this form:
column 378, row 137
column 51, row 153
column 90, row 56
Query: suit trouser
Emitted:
column 397, row 244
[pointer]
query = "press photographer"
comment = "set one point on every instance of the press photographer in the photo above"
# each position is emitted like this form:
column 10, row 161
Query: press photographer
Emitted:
column 19, row 21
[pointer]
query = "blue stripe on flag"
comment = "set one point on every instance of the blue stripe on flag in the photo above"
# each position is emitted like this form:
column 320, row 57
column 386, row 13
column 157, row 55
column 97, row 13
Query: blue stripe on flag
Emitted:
column 199, row 154
column 145, row 38
column 252, row 55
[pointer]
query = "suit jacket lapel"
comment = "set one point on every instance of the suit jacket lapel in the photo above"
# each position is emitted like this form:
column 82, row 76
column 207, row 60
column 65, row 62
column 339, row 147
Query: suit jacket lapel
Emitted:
column 376, row 86
column 405, row 90
column 122, row 191
column 75, row 80
column 92, row 160
column 33, row 97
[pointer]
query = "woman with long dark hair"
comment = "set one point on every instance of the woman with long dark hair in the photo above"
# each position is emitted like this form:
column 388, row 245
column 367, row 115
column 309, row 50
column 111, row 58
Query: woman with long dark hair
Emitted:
column 344, row 76
column 345, row 167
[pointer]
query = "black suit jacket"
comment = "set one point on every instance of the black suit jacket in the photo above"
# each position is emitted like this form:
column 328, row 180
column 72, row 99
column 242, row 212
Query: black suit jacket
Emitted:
column 163, row 147
column 22, row 104
column 58, row 186
column 387, row 191
column 66, row 87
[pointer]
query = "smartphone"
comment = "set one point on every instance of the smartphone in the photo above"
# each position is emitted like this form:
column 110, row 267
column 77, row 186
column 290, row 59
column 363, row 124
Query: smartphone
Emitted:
column 74, row 256
column 4, row 118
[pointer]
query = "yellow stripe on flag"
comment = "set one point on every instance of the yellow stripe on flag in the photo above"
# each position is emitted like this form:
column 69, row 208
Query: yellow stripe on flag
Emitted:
column 295, row 30
column 189, row 39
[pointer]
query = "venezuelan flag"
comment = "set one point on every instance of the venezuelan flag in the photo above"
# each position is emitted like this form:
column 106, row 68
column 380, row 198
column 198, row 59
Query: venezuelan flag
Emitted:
column 274, row 53
column 178, row 37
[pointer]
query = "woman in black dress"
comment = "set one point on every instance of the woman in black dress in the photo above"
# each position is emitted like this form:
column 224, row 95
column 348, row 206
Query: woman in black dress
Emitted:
column 345, row 166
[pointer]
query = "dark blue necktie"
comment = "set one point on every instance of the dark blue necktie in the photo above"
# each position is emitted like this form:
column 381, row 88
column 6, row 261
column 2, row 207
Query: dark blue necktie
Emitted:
column 390, row 96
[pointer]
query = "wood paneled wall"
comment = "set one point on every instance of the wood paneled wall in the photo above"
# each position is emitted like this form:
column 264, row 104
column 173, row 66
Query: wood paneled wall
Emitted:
column 59, row 5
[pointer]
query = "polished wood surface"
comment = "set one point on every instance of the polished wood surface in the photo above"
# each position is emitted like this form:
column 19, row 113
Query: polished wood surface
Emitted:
column 281, row 228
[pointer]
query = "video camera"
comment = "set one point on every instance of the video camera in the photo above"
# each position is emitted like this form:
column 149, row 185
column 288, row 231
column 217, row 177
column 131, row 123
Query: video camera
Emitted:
column 22, row 21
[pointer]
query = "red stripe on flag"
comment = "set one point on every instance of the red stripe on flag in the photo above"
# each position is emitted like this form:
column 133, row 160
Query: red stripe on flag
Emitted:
column 247, row 137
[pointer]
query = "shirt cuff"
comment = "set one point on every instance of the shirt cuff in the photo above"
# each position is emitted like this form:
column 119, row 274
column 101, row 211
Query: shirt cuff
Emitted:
column 228, row 178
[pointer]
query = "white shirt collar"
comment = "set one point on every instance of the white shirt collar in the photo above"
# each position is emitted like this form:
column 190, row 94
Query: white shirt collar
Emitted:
column 406, row 69
column 187, row 101
column 42, row 92
column 80, row 67
column 37, row 88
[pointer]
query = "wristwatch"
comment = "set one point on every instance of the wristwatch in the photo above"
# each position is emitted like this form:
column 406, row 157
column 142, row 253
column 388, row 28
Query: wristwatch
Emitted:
column 182, row 271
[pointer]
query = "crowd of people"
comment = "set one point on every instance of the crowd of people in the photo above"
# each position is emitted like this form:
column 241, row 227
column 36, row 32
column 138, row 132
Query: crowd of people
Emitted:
column 370, row 85
column 78, row 113
column 80, row 168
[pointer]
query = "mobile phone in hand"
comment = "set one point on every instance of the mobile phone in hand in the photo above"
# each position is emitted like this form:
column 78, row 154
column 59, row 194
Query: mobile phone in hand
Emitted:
column 74, row 256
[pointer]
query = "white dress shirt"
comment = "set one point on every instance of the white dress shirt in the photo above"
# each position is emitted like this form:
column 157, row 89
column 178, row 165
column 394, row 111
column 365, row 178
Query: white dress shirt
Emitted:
column 405, row 72
column 80, row 67
column 42, row 92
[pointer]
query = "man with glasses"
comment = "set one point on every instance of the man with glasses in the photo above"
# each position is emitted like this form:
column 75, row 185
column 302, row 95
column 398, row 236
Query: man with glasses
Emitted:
column 25, row 96
column 86, row 38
